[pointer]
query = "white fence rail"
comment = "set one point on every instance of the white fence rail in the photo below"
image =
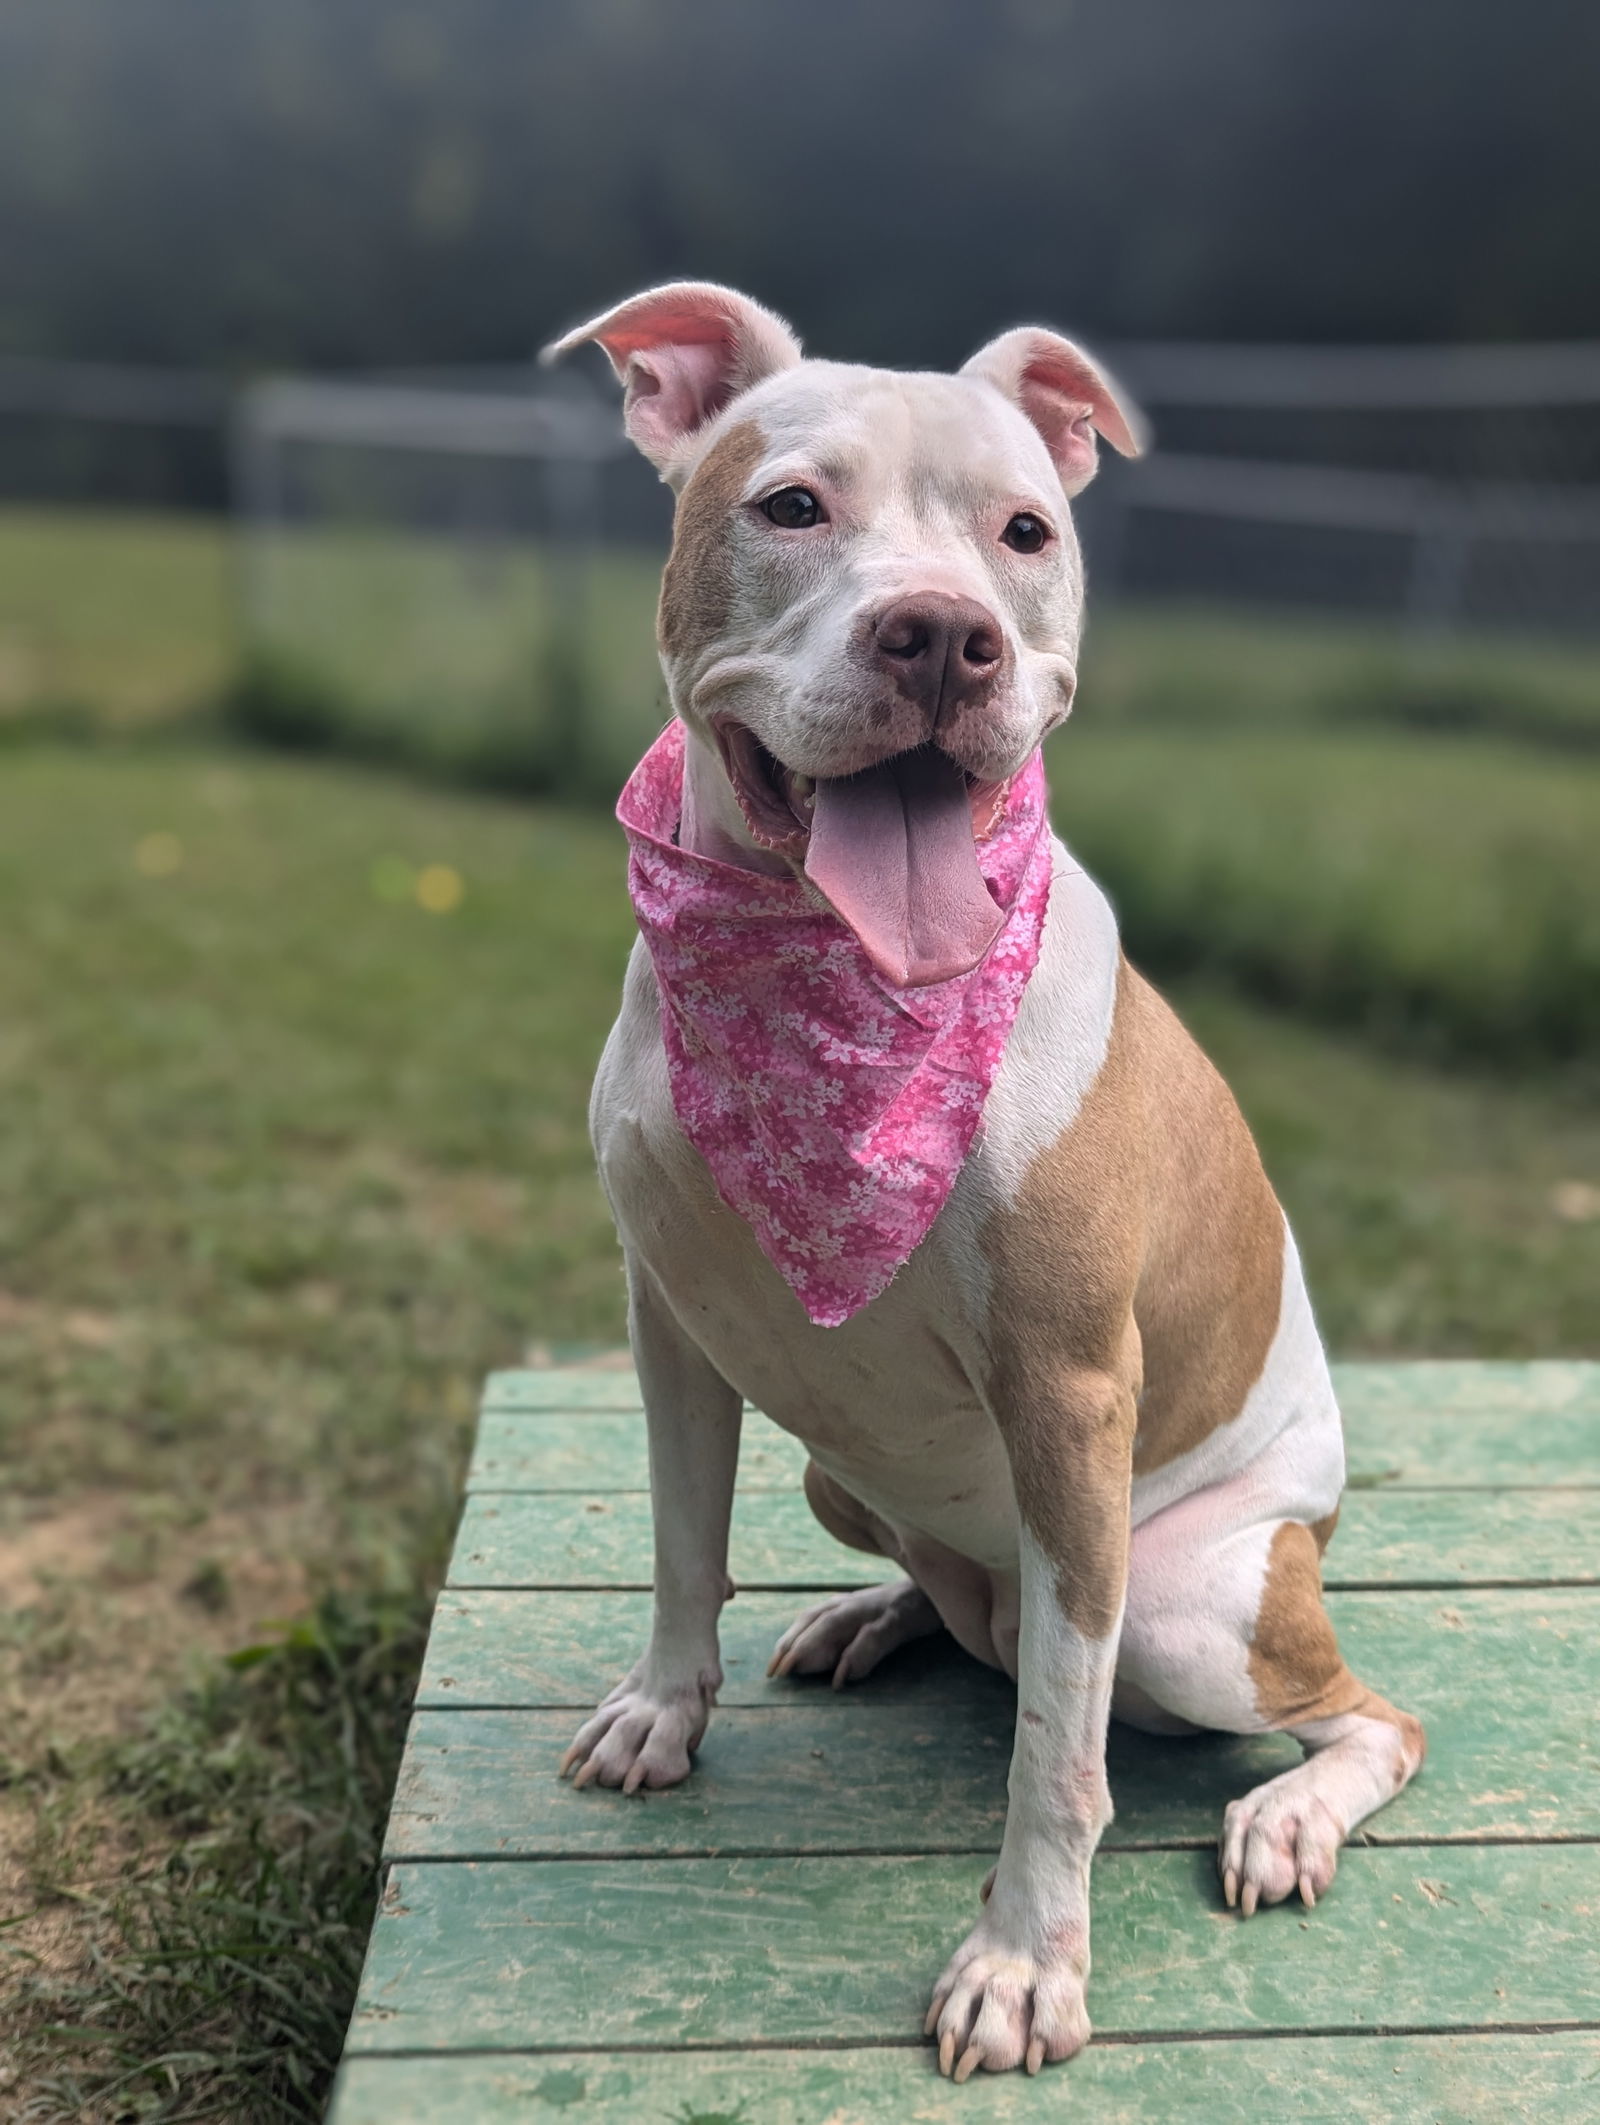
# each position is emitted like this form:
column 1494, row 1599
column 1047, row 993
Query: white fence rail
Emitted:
column 1437, row 487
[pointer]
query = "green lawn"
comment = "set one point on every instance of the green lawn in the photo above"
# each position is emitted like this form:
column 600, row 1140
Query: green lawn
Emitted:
column 123, row 617
column 288, row 1160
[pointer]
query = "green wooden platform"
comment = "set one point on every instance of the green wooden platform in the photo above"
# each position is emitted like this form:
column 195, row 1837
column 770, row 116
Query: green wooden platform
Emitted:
column 756, row 1947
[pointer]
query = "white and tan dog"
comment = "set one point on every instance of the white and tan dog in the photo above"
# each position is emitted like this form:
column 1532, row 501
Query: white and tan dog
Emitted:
column 1090, row 1419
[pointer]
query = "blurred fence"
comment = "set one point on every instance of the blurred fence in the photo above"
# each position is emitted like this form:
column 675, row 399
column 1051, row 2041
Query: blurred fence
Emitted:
column 477, row 562
column 1435, row 486
column 462, row 574
column 461, row 565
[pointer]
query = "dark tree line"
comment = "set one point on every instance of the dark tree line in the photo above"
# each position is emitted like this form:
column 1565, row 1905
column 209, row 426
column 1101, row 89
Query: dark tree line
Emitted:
column 338, row 182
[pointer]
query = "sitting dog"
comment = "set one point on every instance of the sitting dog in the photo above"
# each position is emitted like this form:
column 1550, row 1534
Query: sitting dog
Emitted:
column 902, row 1149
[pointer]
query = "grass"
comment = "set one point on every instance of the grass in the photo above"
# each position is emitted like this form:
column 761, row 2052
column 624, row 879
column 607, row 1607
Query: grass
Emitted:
column 120, row 618
column 218, row 1980
column 131, row 616
column 1438, row 1213
column 288, row 1161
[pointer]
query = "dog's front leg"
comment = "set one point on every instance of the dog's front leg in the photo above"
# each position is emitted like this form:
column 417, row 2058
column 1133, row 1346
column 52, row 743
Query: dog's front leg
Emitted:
column 645, row 1731
column 1013, row 1993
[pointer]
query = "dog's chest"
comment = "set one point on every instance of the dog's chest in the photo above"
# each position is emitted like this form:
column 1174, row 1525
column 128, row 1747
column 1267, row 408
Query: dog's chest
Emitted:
column 886, row 1402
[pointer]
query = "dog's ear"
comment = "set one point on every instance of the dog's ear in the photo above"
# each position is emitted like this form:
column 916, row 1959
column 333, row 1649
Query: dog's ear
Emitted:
column 1065, row 395
column 682, row 353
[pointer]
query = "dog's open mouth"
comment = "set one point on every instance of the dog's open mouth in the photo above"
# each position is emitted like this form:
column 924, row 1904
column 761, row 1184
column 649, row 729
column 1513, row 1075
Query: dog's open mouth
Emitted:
column 893, row 849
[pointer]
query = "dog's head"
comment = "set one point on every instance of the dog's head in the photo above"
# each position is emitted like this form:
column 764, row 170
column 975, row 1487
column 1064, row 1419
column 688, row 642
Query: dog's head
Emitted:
column 872, row 607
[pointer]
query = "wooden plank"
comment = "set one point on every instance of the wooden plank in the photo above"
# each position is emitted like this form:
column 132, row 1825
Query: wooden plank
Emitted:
column 1423, row 1424
column 1367, row 1387
column 1385, row 1538
column 607, row 1450
column 1442, row 2080
column 523, row 1538
column 534, row 1652
column 803, row 1888
column 1539, row 1426
column 537, row 1650
column 609, row 1384
column 508, row 1954
column 1470, row 1386
column 820, row 1775
column 1509, row 1689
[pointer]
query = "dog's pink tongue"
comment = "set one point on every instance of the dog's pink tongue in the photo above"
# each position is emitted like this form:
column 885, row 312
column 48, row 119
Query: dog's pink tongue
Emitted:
column 893, row 851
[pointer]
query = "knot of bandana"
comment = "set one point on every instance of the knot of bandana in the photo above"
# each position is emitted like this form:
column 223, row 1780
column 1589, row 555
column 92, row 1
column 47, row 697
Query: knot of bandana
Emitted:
column 833, row 1109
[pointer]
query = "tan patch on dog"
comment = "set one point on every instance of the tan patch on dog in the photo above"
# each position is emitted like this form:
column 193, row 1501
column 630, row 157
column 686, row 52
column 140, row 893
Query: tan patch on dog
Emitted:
column 1212, row 1283
column 1153, row 1204
column 1294, row 1660
column 697, row 584
column 1072, row 1490
column 1065, row 1358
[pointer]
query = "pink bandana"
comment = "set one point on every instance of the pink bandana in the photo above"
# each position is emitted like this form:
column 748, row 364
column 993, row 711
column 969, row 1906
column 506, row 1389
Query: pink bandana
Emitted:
column 833, row 1109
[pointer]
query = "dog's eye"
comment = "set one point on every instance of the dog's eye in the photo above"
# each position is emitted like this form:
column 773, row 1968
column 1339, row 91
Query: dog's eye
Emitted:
column 793, row 509
column 1025, row 533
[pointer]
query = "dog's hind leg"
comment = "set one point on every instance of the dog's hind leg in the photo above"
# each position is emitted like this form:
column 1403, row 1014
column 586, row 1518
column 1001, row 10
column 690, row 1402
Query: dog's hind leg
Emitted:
column 848, row 1634
column 1360, row 1751
column 1232, row 1634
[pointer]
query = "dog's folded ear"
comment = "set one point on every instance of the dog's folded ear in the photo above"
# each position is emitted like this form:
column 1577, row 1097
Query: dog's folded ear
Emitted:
column 1065, row 395
column 683, row 352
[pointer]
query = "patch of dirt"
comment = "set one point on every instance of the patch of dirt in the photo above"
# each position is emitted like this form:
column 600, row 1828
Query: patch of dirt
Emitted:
column 88, row 1855
column 442, row 1202
column 62, row 1324
column 105, row 1602
column 66, row 1546
column 56, row 1886
column 104, row 1606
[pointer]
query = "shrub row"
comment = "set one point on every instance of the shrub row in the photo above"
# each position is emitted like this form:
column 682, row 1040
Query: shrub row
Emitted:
column 512, row 670
column 549, row 735
column 1189, row 666
column 1443, row 894
column 1438, row 893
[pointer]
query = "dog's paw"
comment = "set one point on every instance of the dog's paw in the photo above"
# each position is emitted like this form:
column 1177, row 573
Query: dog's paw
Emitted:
column 850, row 1633
column 642, row 1735
column 1280, row 1838
column 998, row 2007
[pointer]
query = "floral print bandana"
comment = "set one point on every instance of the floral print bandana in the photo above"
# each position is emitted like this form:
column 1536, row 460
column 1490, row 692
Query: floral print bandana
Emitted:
column 833, row 1109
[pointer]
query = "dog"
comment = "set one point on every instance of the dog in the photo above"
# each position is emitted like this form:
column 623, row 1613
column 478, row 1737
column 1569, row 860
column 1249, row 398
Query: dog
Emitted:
column 995, row 1245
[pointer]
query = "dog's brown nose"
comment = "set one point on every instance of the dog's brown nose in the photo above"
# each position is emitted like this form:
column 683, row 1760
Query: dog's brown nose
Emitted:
column 943, row 653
